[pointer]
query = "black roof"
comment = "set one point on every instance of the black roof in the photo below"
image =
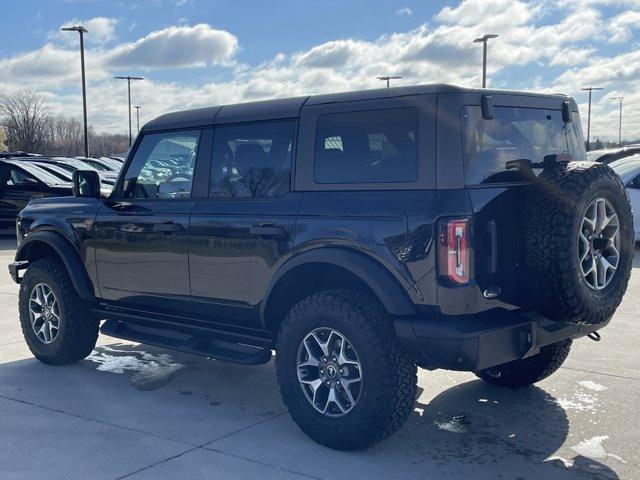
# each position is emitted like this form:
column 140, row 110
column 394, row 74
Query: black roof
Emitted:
column 290, row 107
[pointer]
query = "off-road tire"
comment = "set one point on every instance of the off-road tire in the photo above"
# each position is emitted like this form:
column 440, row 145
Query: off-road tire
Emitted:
column 78, row 330
column 530, row 370
column 389, row 375
column 553, row 218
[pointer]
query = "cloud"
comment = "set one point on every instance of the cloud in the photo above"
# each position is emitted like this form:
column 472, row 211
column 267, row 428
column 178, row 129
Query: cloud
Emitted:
column 546, row 45
column 404, row 12
column 99, row 30
column 183, row 46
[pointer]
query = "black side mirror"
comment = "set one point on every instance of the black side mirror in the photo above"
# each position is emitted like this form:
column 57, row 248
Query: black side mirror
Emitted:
column 86, row 183
column 567, row 115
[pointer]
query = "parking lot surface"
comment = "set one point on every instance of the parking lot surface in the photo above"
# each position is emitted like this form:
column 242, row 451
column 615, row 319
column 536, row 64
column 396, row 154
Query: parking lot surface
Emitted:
column 138, row 412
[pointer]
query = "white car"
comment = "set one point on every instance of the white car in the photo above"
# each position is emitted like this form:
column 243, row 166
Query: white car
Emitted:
column 628, row 169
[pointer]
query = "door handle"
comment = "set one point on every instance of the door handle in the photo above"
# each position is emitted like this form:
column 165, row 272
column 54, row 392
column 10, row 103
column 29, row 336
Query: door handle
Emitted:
column 167, row 227
column 272, row 230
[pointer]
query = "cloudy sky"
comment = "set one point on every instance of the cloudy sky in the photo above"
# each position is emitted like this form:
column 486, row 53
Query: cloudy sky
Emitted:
column 206, row 52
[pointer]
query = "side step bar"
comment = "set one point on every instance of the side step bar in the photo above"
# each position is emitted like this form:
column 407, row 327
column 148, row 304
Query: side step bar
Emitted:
column 202, row 345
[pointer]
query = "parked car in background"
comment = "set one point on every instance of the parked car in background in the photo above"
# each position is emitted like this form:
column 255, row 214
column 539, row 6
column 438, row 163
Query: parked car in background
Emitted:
column 18, row 154
column 102, row 165
column 629, row 171
column 19, row 182
column 609, row 155
column 107, row 178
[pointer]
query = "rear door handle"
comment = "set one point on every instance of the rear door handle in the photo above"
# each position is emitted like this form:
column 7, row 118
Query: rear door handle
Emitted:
column 271, row 230
column 167, row 227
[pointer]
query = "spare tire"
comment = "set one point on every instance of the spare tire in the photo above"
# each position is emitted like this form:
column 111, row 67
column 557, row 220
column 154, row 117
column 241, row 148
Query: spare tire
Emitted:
column 578, row 246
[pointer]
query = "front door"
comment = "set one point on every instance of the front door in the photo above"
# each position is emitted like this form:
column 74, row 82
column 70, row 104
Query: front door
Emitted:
column 142, row 231
column 244, row 231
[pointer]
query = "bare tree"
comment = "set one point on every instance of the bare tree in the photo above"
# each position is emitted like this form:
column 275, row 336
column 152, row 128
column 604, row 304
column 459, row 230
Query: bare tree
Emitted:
column 24, row 116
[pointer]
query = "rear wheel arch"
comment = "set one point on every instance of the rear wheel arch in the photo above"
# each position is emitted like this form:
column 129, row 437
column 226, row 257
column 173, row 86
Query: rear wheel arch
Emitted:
column 44, row 244
column 326, row 269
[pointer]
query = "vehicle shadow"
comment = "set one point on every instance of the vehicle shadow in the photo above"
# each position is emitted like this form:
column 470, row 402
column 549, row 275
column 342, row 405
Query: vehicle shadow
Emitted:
column 471, row 430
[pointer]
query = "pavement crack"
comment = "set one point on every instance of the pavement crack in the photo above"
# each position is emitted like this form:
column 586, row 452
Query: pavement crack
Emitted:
column 160, row 462
column 601, row 373
column 243, row 429
column 101, row 422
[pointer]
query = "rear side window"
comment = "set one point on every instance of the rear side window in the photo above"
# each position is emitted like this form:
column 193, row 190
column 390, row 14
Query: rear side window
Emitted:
column 371, row 146
column 514, row 133
column 252, row 160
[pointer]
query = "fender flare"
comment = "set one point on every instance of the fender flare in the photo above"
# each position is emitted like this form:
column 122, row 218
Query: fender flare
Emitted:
column 384, row 285
column 69, row 256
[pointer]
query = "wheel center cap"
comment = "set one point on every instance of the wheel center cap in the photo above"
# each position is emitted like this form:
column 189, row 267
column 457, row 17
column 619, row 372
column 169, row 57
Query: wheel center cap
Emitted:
column 331, row 371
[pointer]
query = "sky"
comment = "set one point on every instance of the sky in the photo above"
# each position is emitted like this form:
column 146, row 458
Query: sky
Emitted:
column 195, row 53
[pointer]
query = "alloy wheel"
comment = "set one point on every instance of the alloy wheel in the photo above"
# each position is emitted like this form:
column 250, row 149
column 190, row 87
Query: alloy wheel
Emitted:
column 44, row 313
column 329, row 372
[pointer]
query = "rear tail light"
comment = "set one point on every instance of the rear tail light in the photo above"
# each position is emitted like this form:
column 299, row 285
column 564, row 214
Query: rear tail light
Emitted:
column 453, row 255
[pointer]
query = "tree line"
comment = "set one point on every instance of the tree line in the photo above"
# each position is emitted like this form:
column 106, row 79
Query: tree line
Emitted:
column 29, row 126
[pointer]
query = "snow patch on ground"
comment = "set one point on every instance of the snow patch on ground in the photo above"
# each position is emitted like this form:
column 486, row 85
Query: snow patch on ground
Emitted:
column 592, row 385
column 148, row 371
column 455, row 425
column 580, row 402
column 593, row 448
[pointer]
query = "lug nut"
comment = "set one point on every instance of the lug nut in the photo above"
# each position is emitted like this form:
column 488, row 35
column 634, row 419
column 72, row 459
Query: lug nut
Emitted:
column 333, row 359
column 342, row 371
column 327, row 383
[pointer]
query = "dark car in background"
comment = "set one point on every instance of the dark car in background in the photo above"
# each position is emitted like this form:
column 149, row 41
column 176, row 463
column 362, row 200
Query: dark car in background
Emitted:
column 21, row 181
column 608, row 155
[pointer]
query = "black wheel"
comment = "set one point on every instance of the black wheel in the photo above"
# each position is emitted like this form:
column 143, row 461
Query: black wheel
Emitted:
column 343, row 376
column 55, row 322
column 578, row 242
column 530, row 370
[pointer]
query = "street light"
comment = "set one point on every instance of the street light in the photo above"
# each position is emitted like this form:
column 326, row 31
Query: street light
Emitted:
column 128, row 78
column 137, row 107
column 590, row 90
column 484, row 39
column 387, row 78
column 619, row 120
column 81, row 30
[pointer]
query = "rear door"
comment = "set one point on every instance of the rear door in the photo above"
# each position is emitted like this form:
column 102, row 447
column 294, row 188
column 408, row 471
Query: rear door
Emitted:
column 142, row 229
column 522, row 128
column 243, row 232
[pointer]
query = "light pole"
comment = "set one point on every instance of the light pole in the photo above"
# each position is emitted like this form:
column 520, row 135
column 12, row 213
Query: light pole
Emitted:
column 387, row 78
column 137, row 107
column 81, row 30
column 128, row 78
column 619, row 120
column 590, row 90
column 484, row 39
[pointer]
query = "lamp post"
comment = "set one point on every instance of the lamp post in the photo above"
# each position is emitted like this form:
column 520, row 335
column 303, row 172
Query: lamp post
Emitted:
column 137, row 107
column 128, row 78
column 387, row 78
column 81, row 30
column 590, row 90
column 619, row 120
column 484, row 39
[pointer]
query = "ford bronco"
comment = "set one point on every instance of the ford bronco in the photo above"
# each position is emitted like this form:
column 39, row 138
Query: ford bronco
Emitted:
column 358, row 235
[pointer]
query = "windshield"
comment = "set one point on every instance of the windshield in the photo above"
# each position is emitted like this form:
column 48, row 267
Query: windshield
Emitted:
column 514, row 133
column 626, row 168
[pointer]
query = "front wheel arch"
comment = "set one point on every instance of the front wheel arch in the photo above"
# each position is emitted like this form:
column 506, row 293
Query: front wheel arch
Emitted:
column 43, row 244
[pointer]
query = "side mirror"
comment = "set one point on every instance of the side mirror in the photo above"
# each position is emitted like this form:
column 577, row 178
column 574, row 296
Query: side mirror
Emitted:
column 86, row 183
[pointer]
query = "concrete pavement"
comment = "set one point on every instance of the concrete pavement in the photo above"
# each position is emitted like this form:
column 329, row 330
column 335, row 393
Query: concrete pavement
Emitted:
column 138, row 412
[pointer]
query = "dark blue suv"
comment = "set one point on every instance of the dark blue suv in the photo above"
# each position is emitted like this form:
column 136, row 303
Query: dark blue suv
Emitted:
column 358, row 235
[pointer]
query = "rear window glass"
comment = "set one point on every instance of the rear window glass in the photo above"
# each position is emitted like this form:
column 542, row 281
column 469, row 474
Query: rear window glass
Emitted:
column 367, row 147
column 514, row 133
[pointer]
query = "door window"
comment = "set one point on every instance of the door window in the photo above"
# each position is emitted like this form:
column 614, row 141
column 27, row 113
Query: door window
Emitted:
column 163, row 166
column 367, row 147
column 16, row 177
column 252, row 160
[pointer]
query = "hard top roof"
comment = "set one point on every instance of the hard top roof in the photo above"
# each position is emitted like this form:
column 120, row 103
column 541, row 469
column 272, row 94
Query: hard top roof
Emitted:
column 290, row 107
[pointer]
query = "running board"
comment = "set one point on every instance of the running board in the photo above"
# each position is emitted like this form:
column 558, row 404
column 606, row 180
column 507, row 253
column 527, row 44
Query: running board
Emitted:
column 202, row 345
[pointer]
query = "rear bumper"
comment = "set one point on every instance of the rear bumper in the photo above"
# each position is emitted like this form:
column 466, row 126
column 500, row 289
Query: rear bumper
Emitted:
column 477, row 342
